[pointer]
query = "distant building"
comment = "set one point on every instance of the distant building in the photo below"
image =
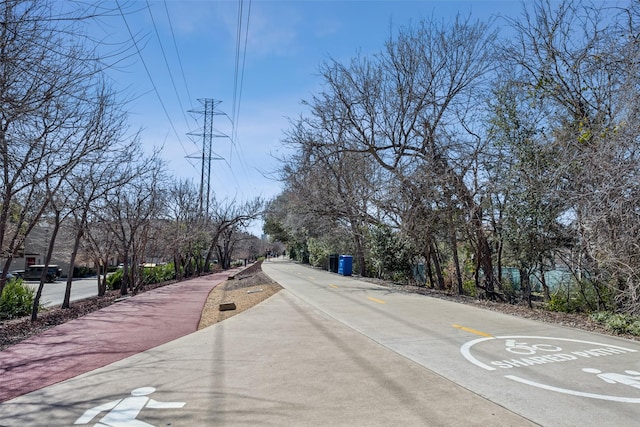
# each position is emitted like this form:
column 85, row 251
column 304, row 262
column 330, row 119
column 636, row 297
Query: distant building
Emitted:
column 35, row 247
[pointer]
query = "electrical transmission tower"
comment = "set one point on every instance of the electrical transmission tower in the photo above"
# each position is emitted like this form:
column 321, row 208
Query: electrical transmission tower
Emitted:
column 208, row 132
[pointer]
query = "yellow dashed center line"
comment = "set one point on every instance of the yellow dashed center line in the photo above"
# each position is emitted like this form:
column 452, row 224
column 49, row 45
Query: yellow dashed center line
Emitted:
column 379, row 301
column 473, row 331
column 333, row 286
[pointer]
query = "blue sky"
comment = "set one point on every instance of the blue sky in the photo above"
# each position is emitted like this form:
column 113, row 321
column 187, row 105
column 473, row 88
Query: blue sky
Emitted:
column 286, row 42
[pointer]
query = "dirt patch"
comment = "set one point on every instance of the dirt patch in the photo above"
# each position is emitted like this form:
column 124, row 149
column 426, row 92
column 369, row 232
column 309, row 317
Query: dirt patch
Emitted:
column 244, row 290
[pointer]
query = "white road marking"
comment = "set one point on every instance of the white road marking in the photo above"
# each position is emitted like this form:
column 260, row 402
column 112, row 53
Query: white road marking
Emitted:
column 568, row 356
column 466, row 348
column 575, row 392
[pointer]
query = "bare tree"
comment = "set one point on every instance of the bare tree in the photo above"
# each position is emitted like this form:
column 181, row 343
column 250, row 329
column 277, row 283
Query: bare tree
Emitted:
column 409, row 108
column 227, row 217
column 90, row 182
column 46, row 79
column 185, row 231
column 129, row 212
column 285, row 222
column 100, row 243
column 248, row 247
column 339, row 186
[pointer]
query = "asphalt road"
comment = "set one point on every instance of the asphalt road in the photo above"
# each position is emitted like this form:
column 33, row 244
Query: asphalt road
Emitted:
column 53, row 293
column 330, row 350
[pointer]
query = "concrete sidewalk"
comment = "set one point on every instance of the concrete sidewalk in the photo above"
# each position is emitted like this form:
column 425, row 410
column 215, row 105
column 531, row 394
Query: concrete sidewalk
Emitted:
column 280, row 363
column 128, row 327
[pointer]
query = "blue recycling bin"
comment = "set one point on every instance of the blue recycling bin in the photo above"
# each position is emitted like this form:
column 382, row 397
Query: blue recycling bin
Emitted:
column 345, row 265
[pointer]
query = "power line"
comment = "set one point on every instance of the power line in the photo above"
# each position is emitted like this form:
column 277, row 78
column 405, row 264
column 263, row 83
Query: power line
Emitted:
column 175, row 45
column 239, row 79
column 236, row 62
column 155, row 88
column 166, row 62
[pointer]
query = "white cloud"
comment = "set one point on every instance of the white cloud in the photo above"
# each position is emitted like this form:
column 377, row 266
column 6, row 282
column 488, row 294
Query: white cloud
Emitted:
column 273, row 30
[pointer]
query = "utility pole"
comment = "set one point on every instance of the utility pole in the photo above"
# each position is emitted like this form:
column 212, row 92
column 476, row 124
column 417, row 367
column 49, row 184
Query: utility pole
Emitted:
column 208, row 132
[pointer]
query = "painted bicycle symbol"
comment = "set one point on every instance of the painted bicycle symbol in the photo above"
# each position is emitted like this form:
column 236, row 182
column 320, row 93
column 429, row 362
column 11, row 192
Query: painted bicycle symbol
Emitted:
column 525, row 349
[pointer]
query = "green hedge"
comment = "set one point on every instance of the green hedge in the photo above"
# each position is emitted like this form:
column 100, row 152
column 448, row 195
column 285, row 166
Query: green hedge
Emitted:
column 149, row 275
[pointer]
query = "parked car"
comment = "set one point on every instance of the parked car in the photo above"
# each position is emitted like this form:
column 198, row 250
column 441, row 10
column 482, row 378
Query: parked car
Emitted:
column 9, row 275
column 34, row 272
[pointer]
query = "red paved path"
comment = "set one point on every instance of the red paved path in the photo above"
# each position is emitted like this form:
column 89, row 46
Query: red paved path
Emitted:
column 128, row 327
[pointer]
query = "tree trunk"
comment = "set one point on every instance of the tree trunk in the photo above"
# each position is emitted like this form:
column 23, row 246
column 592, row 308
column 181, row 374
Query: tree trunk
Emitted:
column 207, row 260
column 429, row 272
column 456, row 260
column 360, row 258
column 72, row 262
column 435, row 257
column 101, row 276
column 525, row 285
column 484, row 252
column 177, row 271
column 43, row 277
column 124, row 285
column 545, row 287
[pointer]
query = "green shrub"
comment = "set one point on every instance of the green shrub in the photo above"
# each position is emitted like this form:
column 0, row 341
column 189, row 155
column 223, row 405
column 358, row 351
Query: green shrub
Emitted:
column 83, row 271
column 618, row 323
column 557, row 302
column 634, row 327
column 600, row 316
column 165, row 272
column 16, row 300
column 511, row 293
column 390, row 254
column 572, row 298
column 114, row 280
column 158, row 274
column 318, row 252
column 469, row 288
column 148, row 275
